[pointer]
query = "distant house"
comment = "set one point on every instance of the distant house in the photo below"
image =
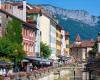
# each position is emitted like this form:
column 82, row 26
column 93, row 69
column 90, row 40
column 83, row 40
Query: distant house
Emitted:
column 80, row 48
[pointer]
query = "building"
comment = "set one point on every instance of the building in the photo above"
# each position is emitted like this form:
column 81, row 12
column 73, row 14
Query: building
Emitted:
column 93, row 63
column 34, row 14
column 17, row 9
column 58, row 40
column 28, row 27
column 67, row 43
column 48, row 31
column 53, row 39
column 28, row 34
column 80, row 48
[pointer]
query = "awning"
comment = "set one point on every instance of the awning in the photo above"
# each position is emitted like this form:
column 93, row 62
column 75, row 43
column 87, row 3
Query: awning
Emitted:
column 5, row 64
column 39, row 59
column 24, row 60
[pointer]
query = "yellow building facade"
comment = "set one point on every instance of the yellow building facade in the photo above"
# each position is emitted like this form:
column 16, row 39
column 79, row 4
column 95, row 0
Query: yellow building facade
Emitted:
column 58, row 40
column 67, row 42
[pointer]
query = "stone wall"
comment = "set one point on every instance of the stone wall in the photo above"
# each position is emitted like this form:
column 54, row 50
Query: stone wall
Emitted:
column 41, row 74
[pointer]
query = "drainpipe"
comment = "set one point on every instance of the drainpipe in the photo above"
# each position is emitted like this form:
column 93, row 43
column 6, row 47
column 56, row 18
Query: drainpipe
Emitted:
column 24, row 10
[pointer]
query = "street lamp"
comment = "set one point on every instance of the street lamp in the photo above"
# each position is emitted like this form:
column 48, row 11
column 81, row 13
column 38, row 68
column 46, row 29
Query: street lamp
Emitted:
column 74, row 74
column 74, row 70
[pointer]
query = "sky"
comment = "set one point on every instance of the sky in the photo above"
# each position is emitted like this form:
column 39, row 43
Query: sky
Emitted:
column 92, row 6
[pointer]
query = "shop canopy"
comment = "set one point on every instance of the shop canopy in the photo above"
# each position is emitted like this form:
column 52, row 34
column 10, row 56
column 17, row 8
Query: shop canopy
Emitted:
column 4, row 64
column 38, row 59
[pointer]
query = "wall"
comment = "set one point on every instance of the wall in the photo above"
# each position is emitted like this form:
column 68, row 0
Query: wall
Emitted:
column 67, row 45
column 77, row 53
column 98, row 47
column 58, row 41
column 45, row 29
column 3, row 22
column 84, row 53
column 51, row 74
column 28, row 40
column 27, row 33
column 63, row 44
column 20, row 13
column 53, row 40
column 37, row 34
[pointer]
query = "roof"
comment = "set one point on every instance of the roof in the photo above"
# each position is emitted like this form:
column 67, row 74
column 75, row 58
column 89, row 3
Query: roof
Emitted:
column 77, row 39
column 34, row 10
column 25, row 23
column 17, row 3
column 39, row 10
column 37, row 59
column 83, row 44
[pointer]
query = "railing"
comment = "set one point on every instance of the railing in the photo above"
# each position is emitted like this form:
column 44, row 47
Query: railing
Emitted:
column 35, row 74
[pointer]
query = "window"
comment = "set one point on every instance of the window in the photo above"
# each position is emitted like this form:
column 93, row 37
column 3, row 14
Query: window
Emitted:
column 53, row 40
column 6, row 16
column 67, row 46
column 58, row 42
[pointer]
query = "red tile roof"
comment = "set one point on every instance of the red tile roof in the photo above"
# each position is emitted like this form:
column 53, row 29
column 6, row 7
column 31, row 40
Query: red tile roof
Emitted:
column 17, row 4
column 34, row 10
column 87, row 44
column 28, row 24
column 40, row 10
column 78, row 39
column 83, row 44
column 31, row 22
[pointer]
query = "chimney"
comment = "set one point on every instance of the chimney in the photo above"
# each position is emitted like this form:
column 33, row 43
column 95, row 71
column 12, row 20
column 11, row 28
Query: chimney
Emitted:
column 0, row 4
column 24, row 10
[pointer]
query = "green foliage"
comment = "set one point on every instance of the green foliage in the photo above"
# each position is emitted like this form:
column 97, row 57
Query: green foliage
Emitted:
column 45, row 50
column 95, row 48
column 5, row 59
column 14, row 31
column 11, row 43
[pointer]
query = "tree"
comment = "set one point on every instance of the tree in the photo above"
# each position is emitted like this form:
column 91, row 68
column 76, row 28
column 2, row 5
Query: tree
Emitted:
column 11, row 49
column 95, row 48
column 14, row 31
column 11, row 42
column 45, row 50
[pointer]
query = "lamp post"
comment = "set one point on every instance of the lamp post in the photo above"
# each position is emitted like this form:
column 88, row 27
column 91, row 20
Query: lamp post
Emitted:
column 74, row 74
column 74, row 70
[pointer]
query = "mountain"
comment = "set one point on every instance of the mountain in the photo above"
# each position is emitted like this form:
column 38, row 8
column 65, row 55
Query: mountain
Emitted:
column 75, row 21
